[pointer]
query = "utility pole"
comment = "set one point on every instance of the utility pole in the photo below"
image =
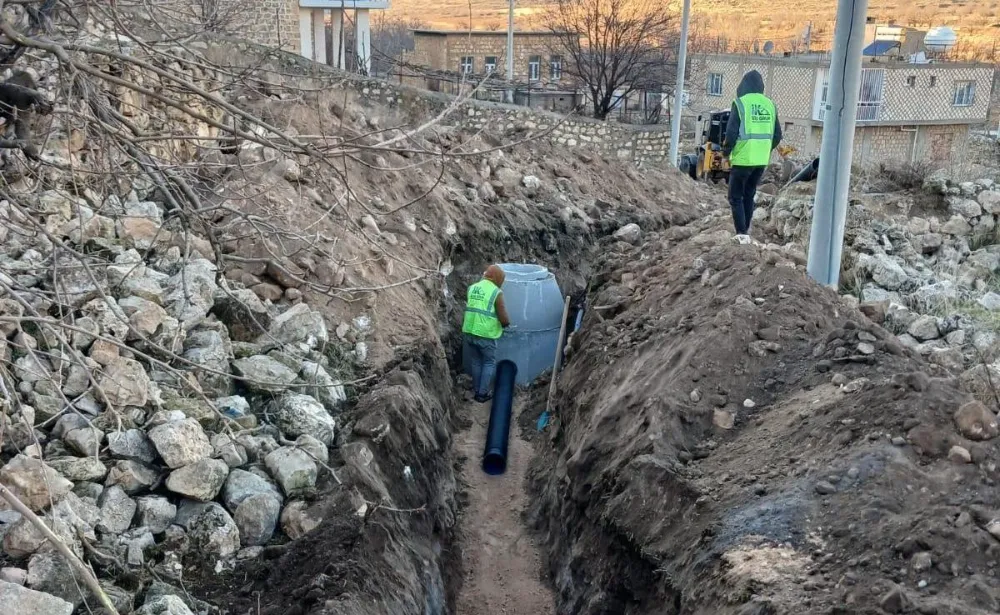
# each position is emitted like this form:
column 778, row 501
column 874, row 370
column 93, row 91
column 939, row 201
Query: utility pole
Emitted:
column 510, row 53
column 675, row 119
column 826, row 240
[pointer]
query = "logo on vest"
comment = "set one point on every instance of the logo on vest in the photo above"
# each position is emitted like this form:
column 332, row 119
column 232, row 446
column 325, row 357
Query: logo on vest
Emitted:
column 760, row 113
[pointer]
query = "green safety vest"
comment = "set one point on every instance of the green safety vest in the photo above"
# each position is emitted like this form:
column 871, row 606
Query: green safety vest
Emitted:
column 753, row 149
column 481, row 313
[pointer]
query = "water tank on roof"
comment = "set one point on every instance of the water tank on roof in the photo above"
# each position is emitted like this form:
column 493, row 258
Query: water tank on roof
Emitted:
column 940, row 39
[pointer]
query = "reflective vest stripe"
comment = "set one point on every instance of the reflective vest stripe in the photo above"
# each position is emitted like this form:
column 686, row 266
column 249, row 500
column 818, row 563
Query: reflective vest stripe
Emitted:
column 490, row 306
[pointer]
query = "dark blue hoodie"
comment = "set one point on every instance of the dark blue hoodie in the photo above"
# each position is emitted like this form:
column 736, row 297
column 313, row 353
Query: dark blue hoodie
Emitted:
column 752, row 83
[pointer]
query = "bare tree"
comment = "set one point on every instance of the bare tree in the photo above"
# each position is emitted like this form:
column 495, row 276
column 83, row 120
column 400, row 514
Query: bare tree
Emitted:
column 612, row 46
column 391, row 36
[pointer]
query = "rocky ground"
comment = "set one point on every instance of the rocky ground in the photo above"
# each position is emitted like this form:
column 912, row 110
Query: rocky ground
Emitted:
column 922, row 262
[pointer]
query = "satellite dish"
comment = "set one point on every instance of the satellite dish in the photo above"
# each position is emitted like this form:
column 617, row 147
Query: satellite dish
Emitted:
column 769, row 47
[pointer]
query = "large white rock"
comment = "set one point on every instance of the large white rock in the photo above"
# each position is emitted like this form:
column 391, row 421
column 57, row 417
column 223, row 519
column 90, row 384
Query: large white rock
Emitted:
column 201, row 480
column 17, row 600
column 885, row 271
column 924, row 328
column 210, row 528
column 180, row 443
column 298, row 325
column 156, row 513
column 296, row 415
column 117, row 510
column 131, row 444
column 958, row 226
column 192, row 292
column 967, row 208
column 294, row 470
column 990, row 201
column 33, row 482
column 165, row 605
column 125, row 382
column 262, row 373
column 629, row 233
column 322, row 386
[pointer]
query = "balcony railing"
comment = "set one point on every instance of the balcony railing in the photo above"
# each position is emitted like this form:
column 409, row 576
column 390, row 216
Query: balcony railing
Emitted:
column 871, row 98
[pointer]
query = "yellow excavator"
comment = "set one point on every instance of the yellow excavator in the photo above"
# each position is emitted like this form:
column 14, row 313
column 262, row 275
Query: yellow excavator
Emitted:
column 709, row 163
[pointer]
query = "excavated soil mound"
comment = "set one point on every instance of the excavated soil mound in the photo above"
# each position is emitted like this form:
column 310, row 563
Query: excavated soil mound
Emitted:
column 732, row 439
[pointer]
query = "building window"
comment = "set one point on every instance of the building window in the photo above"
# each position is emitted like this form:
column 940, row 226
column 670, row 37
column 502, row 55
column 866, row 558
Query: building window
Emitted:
column 715, row 84
column 871, row 96
column 491, row 64
column 534, row 68
column 965, row 94
column 468, row 65
column 911, row 81
column 555, row 68
column 933, row 81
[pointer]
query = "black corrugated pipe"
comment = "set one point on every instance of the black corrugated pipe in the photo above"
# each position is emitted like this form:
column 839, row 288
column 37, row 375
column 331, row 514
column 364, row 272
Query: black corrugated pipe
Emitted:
column 806, row 173
column 498, row 433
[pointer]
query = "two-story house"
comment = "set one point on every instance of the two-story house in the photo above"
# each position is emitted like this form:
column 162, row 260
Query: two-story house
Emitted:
column 442, row 58
column 907, row 112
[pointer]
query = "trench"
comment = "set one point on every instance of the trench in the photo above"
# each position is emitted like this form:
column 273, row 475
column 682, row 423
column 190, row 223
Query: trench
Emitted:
column 510, row 552
column 503, row 566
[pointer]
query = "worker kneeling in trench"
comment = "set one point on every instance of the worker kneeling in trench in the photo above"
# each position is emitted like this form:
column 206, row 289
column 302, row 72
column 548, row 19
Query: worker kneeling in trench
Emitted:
column 484, row 323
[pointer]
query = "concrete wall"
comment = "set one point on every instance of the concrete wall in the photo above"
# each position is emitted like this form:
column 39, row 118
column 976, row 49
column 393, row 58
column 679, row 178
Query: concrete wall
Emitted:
column 926, row 103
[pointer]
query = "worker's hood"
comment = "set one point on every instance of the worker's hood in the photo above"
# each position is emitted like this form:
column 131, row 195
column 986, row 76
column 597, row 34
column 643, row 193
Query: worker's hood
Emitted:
column 753, row 83
column 495, row 274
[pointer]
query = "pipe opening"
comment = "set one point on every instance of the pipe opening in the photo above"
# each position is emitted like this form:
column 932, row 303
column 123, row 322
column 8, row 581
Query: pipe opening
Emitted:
column 494, row 463
column 525, row 272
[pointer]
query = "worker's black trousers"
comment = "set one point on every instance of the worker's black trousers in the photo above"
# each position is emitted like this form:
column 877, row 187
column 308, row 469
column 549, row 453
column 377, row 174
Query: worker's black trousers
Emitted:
column 742, row 190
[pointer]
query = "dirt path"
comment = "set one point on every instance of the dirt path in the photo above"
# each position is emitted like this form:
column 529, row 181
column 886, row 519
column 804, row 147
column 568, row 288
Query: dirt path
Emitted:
column 502, row 565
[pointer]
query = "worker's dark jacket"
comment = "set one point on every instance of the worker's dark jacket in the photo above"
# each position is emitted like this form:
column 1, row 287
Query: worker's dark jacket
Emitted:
column 752, row 83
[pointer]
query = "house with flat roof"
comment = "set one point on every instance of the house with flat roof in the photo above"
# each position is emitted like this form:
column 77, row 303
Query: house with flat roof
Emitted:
column 907, row 111
column 450, row 60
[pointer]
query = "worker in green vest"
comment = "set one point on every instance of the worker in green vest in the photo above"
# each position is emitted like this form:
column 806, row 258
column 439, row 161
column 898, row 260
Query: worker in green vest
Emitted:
column 485, row 319
column 752, row 133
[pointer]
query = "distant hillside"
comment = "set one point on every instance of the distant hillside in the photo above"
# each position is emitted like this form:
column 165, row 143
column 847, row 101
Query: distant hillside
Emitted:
column 977, row 21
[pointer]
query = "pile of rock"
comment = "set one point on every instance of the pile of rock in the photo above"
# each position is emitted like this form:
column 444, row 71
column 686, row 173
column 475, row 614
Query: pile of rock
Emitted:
column 163, row 408
column 931, row 280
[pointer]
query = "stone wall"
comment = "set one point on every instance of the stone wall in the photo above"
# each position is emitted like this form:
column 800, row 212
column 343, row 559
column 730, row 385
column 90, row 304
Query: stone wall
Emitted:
column 274, row 23
column 639, row 144
column 937, row 146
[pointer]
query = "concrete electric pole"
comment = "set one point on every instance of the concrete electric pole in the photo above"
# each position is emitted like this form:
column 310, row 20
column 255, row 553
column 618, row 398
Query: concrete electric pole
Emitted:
column 675, row 119
column 826, row 240
column 510, row 52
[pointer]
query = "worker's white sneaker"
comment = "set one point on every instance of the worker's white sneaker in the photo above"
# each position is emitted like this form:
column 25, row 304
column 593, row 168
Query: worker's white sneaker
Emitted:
column 743, row 240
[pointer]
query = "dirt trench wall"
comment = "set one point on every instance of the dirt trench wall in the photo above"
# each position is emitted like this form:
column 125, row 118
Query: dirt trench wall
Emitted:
column 828, row 491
